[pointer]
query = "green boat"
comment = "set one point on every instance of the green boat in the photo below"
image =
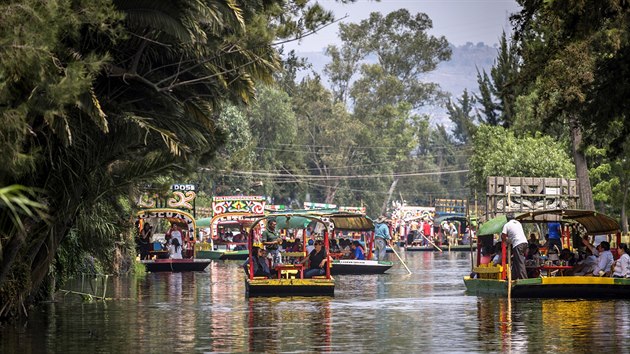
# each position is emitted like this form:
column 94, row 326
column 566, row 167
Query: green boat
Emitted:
column 492, row 279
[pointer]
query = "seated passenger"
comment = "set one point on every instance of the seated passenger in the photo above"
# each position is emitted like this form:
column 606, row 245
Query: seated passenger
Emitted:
column 317, row 259
column 497, row 259
column 357, row 251
column 568, row 257
column 261, row 267
column 175, row 249
column 604, row 257
column 621, row 266
column 586, row 265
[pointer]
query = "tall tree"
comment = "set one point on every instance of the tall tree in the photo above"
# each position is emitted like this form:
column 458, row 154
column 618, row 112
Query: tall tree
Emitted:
column 463, row 119
column 499, row 90
column 111, row 95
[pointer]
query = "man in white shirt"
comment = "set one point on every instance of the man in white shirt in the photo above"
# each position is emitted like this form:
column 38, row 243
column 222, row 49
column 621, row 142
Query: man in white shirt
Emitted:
column 513, row 233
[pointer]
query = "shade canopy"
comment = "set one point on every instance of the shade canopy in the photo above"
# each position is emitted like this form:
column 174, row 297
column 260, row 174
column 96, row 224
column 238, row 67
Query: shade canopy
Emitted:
column 451, row 217
column 342, row 221
column 492, row 226
column 203, row 222
column 595, row 223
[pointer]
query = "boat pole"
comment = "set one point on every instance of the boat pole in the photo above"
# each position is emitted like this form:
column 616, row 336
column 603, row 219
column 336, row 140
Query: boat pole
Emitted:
column 431, row 242
column 509, row 271
column 401, row 261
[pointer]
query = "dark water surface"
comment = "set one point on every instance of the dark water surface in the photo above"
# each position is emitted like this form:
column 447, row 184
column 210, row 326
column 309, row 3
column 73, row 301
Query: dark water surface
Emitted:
column 426, row 311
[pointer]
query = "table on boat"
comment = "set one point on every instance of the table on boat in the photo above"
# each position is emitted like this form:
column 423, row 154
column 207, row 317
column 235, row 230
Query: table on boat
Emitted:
column 550, row 268
column 159, row 254
column 299, row 267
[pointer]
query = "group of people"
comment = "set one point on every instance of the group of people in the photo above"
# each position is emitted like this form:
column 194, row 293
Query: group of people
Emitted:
column 173, row 241
column 526, row 257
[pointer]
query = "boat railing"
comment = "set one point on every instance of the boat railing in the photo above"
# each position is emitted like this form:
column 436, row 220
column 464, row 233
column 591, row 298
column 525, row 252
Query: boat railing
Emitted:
column 488, row 271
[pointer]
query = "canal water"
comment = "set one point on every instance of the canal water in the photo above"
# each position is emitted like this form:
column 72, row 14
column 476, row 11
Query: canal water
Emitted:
column 427, row 311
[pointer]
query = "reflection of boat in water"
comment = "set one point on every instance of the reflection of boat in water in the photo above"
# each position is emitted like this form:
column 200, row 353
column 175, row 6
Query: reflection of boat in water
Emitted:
column 188, row 236
column 492, row 279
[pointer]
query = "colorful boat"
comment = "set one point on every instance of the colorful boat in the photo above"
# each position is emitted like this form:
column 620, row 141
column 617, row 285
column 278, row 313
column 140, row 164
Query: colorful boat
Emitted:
column 364, row 225
column 288, row 279
column 188, row 263
column 493, row 279
column 230, row 214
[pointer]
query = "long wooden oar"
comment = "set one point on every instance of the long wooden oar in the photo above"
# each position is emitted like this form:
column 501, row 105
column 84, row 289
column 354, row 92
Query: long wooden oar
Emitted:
column 509, row 270
column 431, row 242
column 401, row 261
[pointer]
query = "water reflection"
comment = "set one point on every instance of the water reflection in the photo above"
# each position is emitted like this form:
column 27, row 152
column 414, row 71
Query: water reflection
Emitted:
column 427, row 310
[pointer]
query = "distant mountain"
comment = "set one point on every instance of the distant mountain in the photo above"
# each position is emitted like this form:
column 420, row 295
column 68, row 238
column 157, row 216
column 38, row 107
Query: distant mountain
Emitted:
column 453, row 76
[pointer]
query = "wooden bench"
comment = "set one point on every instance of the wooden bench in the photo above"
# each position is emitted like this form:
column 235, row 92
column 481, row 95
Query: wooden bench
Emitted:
column 488, row 271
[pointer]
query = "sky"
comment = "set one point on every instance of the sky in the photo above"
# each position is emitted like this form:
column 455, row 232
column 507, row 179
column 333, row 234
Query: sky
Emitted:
column 460, row 21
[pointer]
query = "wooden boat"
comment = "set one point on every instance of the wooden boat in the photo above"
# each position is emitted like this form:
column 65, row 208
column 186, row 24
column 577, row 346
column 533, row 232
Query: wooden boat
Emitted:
column 354, row 266
column 187, row 264
column 289, row 278
column 229, row 213
column 176, row 265
column 367, row 265
column 491, row 279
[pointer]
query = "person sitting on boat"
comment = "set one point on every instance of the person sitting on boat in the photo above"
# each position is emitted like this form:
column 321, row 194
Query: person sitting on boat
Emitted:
column 533, row 260
column 497, row 257
column 175, row 249
column 587, row 264
column 382, row 237
column 261, row 267
column 357, row 250
column 317, row 259
column 567, row 257
column 272, row 241
column 621, row 267
column 605, row 259
column 513, row 232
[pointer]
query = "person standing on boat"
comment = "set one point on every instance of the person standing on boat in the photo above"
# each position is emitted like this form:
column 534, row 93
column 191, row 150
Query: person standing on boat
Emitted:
column 175, row 232
column 555, row 234
column 513, row 232
column 382, row 237
column 272, row 240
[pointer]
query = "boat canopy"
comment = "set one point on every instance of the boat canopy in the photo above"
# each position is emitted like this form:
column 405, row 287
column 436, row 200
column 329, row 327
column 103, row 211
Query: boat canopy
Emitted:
column 594, row 222
column 343, row 221
column 450, row 217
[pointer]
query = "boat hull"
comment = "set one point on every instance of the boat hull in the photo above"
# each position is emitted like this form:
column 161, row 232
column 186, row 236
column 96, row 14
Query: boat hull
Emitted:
column 351, row 266
column 223, row 255
column 569, row 287
column 290, row 287
column 176, row 265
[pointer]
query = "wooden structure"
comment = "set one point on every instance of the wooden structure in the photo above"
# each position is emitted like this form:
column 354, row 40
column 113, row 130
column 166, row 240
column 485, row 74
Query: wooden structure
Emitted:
column 528, row 194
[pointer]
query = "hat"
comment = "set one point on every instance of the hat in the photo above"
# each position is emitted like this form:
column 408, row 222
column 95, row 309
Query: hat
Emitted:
column 310, row 242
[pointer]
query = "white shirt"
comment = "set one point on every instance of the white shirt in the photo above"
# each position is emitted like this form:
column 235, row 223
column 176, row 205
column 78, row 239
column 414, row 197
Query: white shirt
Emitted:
column 514, row 231
column 622, row 268
column 175, row 254
column 604, row 262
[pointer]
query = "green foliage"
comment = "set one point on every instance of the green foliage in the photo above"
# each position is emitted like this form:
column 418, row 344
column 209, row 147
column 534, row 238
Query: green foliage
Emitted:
column 497, row 152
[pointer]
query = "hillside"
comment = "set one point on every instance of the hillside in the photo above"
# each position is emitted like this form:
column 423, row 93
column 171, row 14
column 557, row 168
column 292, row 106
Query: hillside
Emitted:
column 453, row 76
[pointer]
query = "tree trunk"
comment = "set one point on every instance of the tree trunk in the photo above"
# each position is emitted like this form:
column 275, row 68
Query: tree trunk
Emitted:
column 389, row 196
column 581, row 167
